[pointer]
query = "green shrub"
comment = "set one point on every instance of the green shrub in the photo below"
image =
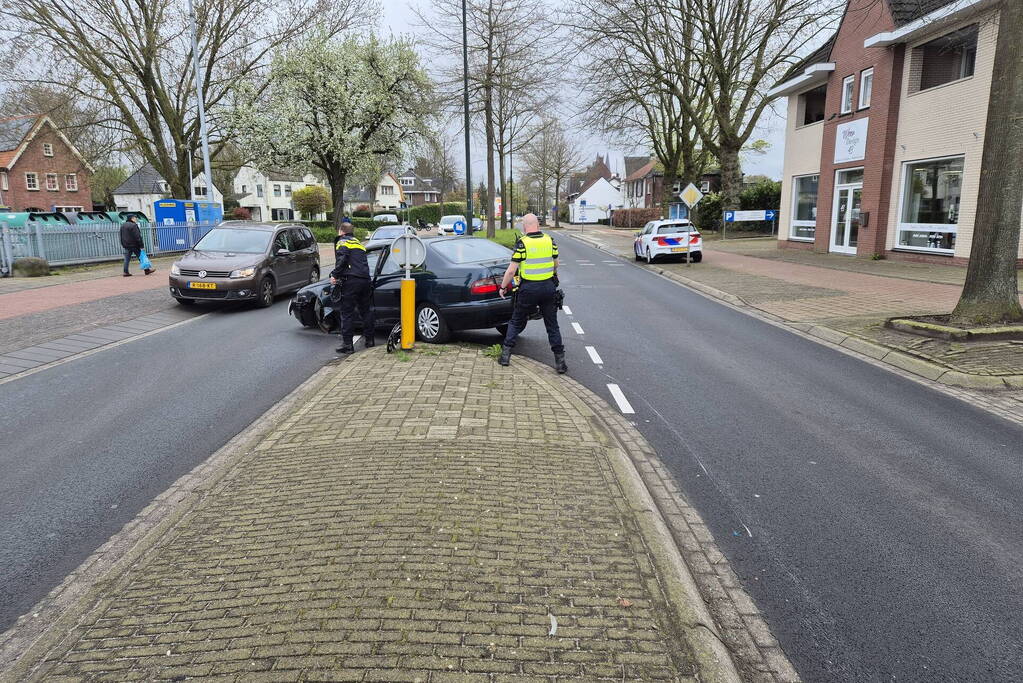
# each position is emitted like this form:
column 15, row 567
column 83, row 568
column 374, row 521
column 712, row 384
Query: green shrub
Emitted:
column 362, row 213
column 707, row 215
column 324, row 231
column 633, row 218
column 431, row 213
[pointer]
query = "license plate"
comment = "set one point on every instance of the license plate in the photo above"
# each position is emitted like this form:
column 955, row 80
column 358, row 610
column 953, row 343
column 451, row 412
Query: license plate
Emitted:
column 680, row 249
column 202, row 285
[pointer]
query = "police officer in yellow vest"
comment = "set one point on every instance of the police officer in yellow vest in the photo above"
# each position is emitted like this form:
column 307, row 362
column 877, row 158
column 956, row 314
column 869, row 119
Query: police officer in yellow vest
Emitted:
column 535, row 260
column 351, row 272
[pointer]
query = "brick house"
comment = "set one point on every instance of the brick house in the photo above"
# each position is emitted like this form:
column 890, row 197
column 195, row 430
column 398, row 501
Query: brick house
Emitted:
column 40, row 170
column 885, row 131
column 418, row 190
column 643, row 188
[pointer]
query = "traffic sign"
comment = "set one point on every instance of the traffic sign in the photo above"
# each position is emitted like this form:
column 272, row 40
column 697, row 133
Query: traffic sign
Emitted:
column 459, row 227
column 691, row 195
column 743, row 216
column 409, row 250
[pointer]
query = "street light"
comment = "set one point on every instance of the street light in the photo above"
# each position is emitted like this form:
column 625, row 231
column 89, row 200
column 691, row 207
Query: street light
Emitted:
column 202, row 110
column 465, row 102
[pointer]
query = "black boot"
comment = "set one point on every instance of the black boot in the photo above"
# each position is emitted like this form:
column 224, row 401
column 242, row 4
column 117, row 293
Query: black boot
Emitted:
column 505, row 358
column 346, row 347
column 369, row 341
column 559, row 363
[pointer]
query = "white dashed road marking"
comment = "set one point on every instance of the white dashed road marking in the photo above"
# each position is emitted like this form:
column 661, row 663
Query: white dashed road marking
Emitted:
column 567, row 310
column 578, row 328
column 619, row 397
column 594, row 356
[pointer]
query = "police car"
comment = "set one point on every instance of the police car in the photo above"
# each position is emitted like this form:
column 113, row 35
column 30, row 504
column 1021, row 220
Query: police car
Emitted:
column 672, row 237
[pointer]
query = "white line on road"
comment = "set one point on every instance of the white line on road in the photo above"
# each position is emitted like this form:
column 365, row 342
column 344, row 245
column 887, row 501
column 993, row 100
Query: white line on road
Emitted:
column 594, row 356
column 567, row 310
column 619, row 397
column 578, row 328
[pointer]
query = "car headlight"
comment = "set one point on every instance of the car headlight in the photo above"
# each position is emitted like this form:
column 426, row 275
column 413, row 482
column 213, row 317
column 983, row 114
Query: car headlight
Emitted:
column 244, row 272
column 175, row 270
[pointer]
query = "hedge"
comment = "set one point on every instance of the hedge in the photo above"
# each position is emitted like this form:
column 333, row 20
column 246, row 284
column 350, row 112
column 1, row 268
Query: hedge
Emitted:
column 325, row 232
column 634, row 218
column 431, row 213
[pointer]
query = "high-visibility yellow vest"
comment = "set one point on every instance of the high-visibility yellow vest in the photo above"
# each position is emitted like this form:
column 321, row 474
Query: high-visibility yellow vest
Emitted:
column 539, row 263
column 350, row 242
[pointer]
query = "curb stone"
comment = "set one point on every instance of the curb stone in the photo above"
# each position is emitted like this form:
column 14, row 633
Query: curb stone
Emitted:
column 682, row 545
column 903, row 361
column 50, row 621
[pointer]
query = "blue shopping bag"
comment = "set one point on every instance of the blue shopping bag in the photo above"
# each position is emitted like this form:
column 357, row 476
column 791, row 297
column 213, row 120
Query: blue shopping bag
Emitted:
column 144, row 260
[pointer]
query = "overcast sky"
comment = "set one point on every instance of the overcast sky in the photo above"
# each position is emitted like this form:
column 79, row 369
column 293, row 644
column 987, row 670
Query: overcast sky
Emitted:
column 398, row 18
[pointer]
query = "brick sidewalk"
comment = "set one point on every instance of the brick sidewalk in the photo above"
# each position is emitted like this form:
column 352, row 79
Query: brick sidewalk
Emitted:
column 436, row 518
column 834, row 293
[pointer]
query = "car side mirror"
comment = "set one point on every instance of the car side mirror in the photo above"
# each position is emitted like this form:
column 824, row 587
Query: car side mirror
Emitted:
column 283, row 252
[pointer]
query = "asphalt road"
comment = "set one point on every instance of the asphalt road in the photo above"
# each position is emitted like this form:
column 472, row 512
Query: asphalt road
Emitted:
column 88, row 444
column 876, row 522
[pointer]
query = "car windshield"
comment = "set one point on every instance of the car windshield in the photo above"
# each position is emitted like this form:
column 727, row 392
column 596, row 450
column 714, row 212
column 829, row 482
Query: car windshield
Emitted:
column 388, row 233
column 450, row 220
column 472, row 250
column 233, row 239
column 673, row 228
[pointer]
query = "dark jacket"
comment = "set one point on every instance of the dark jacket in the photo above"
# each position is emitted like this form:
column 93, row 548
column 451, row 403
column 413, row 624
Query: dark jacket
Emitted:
column 351, row 259
column 131, row 236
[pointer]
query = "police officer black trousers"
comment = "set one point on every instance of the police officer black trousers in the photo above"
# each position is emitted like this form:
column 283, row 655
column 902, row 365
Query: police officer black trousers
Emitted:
column 533, row 293
column 356, row 294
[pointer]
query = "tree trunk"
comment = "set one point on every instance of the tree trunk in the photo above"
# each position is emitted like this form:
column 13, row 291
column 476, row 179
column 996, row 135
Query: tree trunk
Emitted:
column 488, row 107
column 991, row 293
column 668, row 190
column 337, row 195
column 504, row 187
column 557, row 193
column 731, row 175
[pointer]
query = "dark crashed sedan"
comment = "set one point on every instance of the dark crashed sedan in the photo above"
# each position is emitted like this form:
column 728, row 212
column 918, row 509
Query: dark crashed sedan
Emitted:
column 456, row 289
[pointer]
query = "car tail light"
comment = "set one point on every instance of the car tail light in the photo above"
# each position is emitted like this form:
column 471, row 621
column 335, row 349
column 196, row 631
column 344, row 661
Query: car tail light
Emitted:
column 487, row 285
column 694, row 237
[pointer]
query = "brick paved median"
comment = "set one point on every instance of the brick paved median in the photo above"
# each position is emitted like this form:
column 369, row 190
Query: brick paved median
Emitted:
column 438, row 518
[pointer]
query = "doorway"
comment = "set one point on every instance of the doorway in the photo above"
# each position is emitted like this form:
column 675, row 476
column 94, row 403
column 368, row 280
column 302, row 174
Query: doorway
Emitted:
column 845, row 222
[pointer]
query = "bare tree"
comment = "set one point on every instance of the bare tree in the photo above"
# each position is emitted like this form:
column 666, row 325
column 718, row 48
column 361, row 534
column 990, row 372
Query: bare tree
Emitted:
column 134, row 59
column 440, row 164
column 551, row 158
column 991, row 293
column 503, row 35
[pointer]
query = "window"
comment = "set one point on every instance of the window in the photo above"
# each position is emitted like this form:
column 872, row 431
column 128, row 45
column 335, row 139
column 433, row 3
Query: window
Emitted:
column 68, row 209
column 930, row 204
column 259, row 190
column 804, row 208
column 245, row 189
column 71, row 182
column 301, row 239
column 812, row 104
column 408, row 182
column 850, row 177
column 51, row 182
column 277, row 190
column 200, row 190
column 848, row 83
column 387, row 189
column 47, row 149
column 287, row 190
column 866, row 87
column 705, row 186
column 282, row 241
column 943, row 60
column 3, row 180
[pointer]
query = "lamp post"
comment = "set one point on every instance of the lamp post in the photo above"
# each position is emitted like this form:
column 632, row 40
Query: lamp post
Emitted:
column 203, row 134
column 465, row 102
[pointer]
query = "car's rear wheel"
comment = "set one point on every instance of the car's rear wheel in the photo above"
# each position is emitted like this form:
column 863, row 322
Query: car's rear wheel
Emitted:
column 314, row 275
column 502, row 330
column 430, row 325
column 696, row 257
column 649, row 256
column 325, row 324
column 266, row 292
column 184, row 302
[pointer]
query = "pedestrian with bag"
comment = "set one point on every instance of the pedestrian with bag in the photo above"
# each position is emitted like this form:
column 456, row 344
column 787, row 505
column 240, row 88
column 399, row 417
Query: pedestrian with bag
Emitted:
column 131, row 242
column 351, row 275
column 535, row 261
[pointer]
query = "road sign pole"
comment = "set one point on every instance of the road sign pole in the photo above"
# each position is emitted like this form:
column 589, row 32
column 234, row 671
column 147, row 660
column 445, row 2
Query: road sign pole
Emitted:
column 723, row 224
column 408, row 300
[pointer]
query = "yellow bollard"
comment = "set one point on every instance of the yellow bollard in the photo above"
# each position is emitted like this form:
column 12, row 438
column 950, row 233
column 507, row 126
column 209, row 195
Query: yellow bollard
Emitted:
column 408, row 313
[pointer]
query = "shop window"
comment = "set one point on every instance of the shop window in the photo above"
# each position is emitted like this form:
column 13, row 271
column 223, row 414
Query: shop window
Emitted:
column 804, row 208
column 812, row 104
column 931, row 195
column 866, row 87
column 943, row 60
column 848, row 84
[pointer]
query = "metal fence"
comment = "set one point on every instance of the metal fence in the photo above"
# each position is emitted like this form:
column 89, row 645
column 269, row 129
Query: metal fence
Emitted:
column 63, row 245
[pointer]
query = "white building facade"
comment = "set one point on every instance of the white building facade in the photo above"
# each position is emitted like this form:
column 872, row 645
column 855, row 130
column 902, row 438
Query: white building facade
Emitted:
column 268, row 195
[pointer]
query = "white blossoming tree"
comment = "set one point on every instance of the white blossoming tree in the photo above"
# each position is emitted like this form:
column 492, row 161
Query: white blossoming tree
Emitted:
column 335, row 104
